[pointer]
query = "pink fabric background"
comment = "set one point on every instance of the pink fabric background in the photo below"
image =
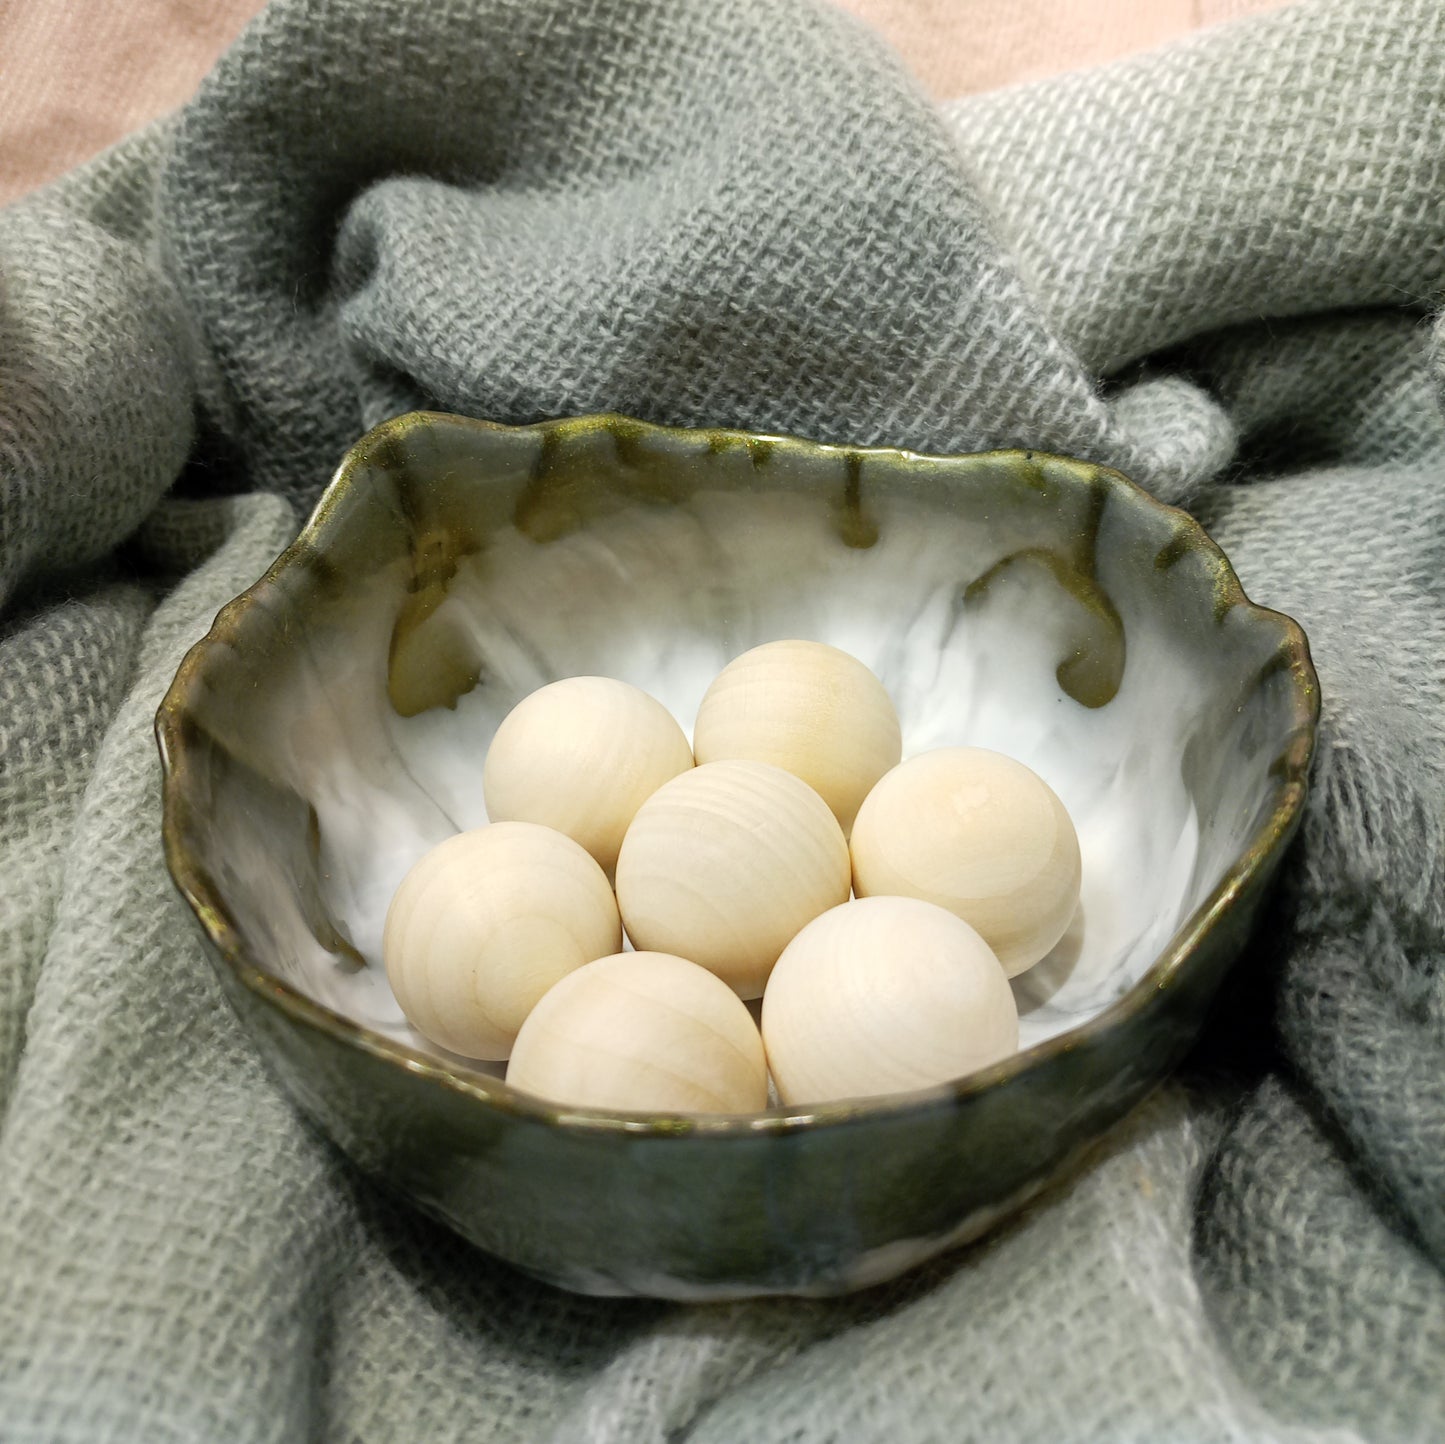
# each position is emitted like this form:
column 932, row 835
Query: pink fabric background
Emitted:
column 957, row 47
column 76, row 76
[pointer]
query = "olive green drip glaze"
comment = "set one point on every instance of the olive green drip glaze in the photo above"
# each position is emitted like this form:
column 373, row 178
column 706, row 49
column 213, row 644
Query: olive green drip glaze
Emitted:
column 1227, row 596
column 1093, row 669
column 1282, row 660
column 1295, row 754
column 330, row 578
column 563, row 490
column 550, row 505
column 1173, row 551
column 318, row 919
column 1031, row 472
column 644, row 471
column 759, row 448
column 1187, row 542
column 855, row 526
column 1281, row 663
column 428, row 665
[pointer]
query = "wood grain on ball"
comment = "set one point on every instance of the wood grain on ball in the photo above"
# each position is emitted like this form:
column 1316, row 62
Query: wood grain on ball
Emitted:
column 485, row 923
column 724, row 864
column 582, row 755
column 884, row 995
column 643, row 1032
column 979, row 834
column 808, row 708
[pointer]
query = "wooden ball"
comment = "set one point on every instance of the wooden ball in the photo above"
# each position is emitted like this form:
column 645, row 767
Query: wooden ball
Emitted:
column 644, row 1032
column 979, row 834
column 485, row 923
column 724, row 864
column 808, row 708
column 884, row 995
column 582, row 755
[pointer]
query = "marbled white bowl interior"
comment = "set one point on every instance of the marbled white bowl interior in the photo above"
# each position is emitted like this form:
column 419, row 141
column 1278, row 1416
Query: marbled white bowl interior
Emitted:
column 334, row 724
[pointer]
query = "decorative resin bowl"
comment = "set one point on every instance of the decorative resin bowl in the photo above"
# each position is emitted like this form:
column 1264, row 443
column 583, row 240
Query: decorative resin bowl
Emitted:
column 333, row 726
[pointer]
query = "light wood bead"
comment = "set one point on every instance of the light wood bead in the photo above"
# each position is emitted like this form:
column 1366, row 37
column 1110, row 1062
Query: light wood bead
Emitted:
column 485, row 923
column 808, row 708
column 884, row 995
column 979, row 834
column 724, row 864
column 582, row 755
column 642, row 1032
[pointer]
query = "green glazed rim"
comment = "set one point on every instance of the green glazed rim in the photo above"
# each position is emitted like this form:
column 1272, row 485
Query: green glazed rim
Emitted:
column 1290, row 775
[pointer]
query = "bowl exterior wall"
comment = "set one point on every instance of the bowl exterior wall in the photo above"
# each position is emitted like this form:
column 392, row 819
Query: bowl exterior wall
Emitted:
column 827, row 1208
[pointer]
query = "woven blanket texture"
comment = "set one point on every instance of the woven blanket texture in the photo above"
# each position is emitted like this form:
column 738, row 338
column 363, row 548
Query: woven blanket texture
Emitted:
column 1214, row 266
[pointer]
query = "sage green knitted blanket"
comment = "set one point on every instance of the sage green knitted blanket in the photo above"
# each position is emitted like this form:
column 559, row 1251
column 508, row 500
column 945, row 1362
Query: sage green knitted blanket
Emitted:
column 1215, row 267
